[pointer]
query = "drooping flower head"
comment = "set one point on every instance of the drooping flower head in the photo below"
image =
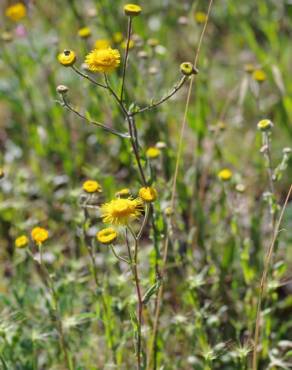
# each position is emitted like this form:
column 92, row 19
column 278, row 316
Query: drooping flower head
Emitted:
column 21, row 242
column 148, row 194
column 67, row 58
column 107, row 235
column 39, row 235
column 121, row 211
column 16, row 12
column 91, row 186
column 103, row 60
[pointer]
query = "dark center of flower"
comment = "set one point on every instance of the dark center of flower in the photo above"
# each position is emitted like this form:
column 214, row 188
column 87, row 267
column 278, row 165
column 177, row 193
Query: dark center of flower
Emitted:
column 67, row 52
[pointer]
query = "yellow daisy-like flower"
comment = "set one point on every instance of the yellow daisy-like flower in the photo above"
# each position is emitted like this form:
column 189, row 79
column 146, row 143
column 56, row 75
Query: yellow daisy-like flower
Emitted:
column 16, row 12
column 107, row 235
column 39, row 235
column 118, row 37
column 67, row 58
column 153, row 152
column 132, row 9
column 91, row 186
column 103, row 60
column 148, row 194
column 121, row 211
column 265, row 125
column 84, row 32
column 200, row 17
column 102, row 44
column 21, row 241
column 259, row 75
column 123, row 193
column 225, row 174
column 124, row 44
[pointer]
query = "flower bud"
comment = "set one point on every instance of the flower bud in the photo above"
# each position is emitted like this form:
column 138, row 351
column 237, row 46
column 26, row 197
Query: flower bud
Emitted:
column 67, row 58
column 188, row 69
column 265, row 125
column 62, row 89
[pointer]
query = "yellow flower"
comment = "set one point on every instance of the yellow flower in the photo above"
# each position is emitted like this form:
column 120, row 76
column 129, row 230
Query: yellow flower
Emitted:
column 121, row 211
column 39, row 235
column 132, row 9
column 148, row 194
column 265, row 125
column 16, row 12
column 102, row 44
column 124, row 44
column 225, row 174
column 249, row 68
column 21, row 241
column 1, row 173
column 188, row 69
column 67, row 58
column 107, row 235
column 153, row 152
column 103, row 60
column 118, row 37
column 123, row 193
column 200, row 17
column 84, row 32
column 91, row 186
column 259, row 75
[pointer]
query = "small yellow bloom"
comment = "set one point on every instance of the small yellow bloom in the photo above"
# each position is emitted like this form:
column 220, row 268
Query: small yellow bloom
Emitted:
column 102, row 44
column 1, row 173
column 67, row 58
column 249, row 68
column 91, row 186
column 153, row 152
column 123, row 193
column 200, row 17
column 103, row 60
column 21, row 241
column 148, row 194
column 265, row 125
column 84, row 32
column 132, row 9
column 118, row 37
column 39, row 235
column 121, row 211
column 259, row 75
column 124, row 44
column 225, row 174
column 16, row 12
column 188, row 69
column 107, row 235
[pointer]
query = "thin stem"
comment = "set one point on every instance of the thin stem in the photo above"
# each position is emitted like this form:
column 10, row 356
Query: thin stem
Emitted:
column 263, row 282
column 84, row 75
column 118, row 256
column 174, row 90
column 118, row 100
column 144, row 223
column 106, row 128
column 126, row 56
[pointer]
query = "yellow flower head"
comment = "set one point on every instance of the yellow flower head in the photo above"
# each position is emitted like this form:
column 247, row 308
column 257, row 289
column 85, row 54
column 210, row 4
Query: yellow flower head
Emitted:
column 225, row 174
column 124, row 44
column 107, row 235
column 39, row 235
column 123, row 193
column 121, row 211
column 249, row 68
column 84, row 32
column 132, row 9
column 153, row 152
column 91, row 186
column 188, row 69
column 259, row 75
column 200, row 17
column 102, row 44
column 118, row 37
column 67, row 58
column 1, row 173
column 148, row 194
column 265, row 125
column 16, row 12
column 21, row 241
column 103, row 60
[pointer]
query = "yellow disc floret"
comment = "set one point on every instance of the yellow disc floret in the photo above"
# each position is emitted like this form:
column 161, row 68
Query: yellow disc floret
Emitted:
column 21, row 241
column 16, row 12
column 103, row 60
column 148, row 194
column 225, row 174
column 67, row 58
column 39, row 235
column 107, row 235
column 132, row 9
column 121, row 211
column 91, row 186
